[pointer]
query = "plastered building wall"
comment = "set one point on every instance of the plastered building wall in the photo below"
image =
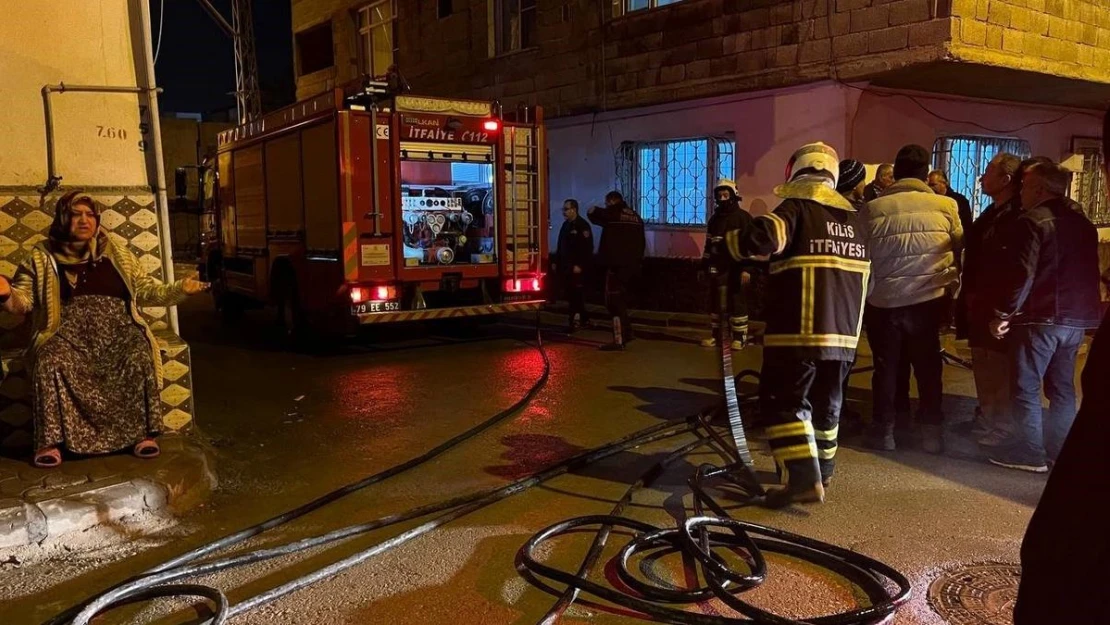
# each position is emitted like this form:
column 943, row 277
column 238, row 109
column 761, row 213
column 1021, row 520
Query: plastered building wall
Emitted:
column 99, row 137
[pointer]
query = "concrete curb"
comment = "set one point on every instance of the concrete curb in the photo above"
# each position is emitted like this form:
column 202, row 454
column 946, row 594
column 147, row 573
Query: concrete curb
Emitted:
column 181, row 483
column 680, row 327
column 645, row 317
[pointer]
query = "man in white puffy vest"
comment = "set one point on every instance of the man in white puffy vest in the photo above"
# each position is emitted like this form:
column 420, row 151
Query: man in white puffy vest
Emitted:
column 916, row 240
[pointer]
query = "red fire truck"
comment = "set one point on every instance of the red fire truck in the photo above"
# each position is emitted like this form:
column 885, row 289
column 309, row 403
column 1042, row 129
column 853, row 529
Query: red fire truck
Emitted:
column 443, row 214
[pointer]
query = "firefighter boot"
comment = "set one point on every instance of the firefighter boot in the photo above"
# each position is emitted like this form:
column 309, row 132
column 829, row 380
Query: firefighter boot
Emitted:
column 618, row 338
column 828, row 467
column 795, row 451
column 739, row 326
column 714, row 325
column 795, row 492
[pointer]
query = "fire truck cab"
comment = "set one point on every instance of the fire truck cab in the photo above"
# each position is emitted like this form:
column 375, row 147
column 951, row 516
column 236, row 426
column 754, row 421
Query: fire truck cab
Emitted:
column 357, row 208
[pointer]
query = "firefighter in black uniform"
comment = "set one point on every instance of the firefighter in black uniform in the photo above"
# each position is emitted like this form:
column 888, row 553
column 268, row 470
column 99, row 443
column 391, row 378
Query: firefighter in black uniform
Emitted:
column 574, row 255
column 622, row 252
column 818, row 279
column 727, row 217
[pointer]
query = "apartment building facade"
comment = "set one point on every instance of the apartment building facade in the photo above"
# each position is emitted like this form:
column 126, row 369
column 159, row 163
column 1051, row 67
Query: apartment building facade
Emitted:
column 661, row 98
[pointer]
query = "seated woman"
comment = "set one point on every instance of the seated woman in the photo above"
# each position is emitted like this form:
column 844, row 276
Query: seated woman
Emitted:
column 96, row 373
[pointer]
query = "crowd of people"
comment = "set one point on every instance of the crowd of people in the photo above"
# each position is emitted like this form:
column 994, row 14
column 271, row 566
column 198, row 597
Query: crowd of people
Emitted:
column 903, row 257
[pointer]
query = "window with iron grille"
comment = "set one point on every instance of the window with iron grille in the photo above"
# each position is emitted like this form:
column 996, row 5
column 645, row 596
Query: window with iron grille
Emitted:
column 622, row 7
column 965, row 158
column 377, row 43
column 515, row 23
column 671, row 182
column 1088, row 187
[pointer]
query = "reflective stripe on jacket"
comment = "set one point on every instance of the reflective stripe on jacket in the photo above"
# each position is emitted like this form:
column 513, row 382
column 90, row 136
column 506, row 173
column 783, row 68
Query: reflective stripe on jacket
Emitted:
column 819, row 271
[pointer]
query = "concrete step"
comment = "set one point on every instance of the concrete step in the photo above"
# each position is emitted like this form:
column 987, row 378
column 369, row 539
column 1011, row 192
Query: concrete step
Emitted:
column 41, row 504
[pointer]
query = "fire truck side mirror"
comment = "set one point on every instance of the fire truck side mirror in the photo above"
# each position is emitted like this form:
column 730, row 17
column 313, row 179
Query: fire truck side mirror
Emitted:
column 180, row 182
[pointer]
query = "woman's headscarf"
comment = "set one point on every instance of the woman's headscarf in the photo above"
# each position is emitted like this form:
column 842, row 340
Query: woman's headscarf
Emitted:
column 61, row 244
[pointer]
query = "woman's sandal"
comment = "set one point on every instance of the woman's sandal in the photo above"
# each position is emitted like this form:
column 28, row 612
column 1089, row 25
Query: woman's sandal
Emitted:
column 147, row 448
column 48, row 458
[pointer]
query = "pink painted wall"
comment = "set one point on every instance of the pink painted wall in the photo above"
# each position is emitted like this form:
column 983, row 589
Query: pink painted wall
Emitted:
column 768, row 127
column 884, row 123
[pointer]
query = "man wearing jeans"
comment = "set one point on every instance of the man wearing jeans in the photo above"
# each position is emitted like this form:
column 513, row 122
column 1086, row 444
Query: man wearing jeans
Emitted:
column 916, row 239
column 1065, row 557
column 1048, row 297
column 984, row 254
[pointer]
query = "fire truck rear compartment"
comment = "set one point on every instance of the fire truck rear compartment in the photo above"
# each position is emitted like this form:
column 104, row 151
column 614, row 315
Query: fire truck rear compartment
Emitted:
column 448, row 205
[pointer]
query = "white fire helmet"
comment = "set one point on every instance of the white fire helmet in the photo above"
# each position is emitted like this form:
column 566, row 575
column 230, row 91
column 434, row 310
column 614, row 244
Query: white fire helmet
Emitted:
column 814, row 156
column 725, row 183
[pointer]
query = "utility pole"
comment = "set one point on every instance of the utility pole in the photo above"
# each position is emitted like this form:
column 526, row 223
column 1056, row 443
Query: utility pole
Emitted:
column 248, row 102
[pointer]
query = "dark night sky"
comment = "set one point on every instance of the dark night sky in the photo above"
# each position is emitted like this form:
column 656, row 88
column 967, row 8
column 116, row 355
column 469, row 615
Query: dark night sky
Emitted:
column 196, row 67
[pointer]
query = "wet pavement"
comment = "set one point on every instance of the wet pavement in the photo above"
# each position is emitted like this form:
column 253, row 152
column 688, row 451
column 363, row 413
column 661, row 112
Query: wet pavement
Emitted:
column 290, row 427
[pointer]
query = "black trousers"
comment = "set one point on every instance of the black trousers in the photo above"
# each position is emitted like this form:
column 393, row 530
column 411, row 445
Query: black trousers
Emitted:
column 803, row 398
column 901, row 385
column 618, row 287
column 574, row 289
column 737, row 305
column 912, row 332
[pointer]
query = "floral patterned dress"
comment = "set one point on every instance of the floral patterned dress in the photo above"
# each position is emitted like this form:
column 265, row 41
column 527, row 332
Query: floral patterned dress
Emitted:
column 94, row 381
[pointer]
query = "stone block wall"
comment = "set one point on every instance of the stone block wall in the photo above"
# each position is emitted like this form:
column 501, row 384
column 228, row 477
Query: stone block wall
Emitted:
column 1068, row 38
column 587, row 60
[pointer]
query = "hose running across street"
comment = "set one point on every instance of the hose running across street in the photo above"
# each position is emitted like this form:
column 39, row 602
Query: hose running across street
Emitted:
column 698, row 536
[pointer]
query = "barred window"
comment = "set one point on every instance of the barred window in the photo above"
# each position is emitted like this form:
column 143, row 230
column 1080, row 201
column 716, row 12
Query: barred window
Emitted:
column 1088, row 187
column 965, row 158
column 671, row 182
column 621, row 7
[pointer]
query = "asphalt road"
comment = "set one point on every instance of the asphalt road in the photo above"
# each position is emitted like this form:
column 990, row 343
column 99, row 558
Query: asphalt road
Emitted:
column 289, row 427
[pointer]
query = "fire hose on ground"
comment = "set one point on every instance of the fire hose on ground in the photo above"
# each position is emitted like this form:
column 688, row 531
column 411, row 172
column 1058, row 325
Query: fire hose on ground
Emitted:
column 697, row 536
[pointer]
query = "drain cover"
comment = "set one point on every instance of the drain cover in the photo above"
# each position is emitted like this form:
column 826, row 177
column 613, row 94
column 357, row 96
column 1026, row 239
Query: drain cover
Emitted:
column 976, row 594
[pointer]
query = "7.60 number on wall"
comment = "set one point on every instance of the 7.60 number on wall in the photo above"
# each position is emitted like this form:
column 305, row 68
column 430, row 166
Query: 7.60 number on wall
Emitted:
column 109, row 132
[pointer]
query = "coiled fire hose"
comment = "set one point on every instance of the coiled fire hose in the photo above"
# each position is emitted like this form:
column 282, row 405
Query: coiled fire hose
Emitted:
column 701, row 536
column 697, row 535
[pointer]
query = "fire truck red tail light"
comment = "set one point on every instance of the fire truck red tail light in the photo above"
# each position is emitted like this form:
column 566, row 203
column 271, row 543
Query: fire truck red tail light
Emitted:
column 360, row 294
column 384, row 293
column 491, row 125
column 522, row 286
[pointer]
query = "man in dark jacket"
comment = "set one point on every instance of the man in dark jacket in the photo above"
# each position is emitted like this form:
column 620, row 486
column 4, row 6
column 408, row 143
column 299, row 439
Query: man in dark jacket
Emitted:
column 818, row 277
column 726, row 216
column 622, row 252
column 1065, row 557
column 1048, row 295
column 574, row 253
column 938, row 182
column 984, row 255
column 884, row 177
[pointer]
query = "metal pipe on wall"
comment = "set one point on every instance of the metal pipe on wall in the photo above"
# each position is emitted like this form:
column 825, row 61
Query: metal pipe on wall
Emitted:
column 52, row 177
column 159, row 166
